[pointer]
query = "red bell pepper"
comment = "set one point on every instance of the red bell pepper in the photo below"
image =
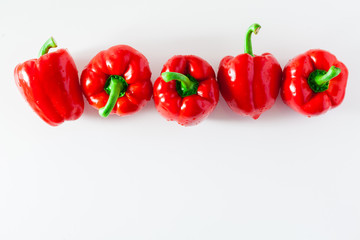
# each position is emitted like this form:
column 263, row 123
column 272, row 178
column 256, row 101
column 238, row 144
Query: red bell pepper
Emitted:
column 250, row 84
column 50, row 84
column 117, row 80
column 314, row 82
column 186, row 91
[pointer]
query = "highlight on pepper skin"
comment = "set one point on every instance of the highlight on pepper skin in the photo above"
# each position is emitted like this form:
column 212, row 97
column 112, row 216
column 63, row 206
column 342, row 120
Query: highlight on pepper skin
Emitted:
column 250, row 84
column 186, row 91
column 50, row 84
column 117, row 81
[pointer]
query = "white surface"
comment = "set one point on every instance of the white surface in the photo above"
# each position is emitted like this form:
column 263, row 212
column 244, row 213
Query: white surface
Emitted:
column 281, row 177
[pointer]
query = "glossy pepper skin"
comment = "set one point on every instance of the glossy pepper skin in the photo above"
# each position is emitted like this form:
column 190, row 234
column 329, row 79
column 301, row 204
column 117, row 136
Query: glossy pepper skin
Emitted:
column 250, row 84
column 311, row 98
column 186, row 91
column 117, row 80
column 50, row 84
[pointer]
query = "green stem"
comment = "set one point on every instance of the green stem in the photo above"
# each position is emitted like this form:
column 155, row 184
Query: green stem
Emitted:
column 319, row 80
column 116, row 88
column 185, row 81
column 333, row 72
column 185, row 85
column 254, row 28
column 50, row 43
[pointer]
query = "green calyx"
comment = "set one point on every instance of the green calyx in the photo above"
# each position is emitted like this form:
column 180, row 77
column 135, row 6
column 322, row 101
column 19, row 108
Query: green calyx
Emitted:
column 116, row 87
column 50, row 43
column 254, row 28
column 186, row 85
column 319, row 79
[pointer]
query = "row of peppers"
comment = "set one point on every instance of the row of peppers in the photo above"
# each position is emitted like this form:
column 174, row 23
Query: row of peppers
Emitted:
column 117, row 80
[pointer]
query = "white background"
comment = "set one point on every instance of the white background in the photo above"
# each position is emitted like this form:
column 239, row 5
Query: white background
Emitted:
column 283, row 176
